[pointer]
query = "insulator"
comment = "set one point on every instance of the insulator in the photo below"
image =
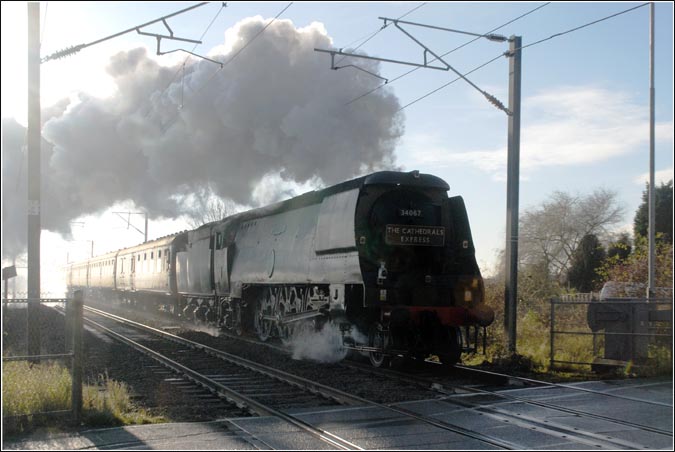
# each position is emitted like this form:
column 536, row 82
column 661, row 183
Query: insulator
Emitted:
column 495, row 37
column 494, row 101
column 64, row 53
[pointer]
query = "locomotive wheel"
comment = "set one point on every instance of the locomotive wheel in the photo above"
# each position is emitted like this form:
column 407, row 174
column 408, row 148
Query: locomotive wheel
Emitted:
column 452, row 351
column 238, row 329
column 380, row 339
column 265, row 306
column 286, row 334
column 286, row 330
column 287, row 305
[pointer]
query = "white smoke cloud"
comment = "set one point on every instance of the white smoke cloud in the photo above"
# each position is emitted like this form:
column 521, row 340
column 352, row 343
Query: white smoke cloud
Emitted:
column 274, row 115
column 324, row 345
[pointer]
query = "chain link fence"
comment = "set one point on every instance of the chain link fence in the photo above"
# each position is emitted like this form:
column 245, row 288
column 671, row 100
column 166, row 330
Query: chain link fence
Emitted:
column 39, row 334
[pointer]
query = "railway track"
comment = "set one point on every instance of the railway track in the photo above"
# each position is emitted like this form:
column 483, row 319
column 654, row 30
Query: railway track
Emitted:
column 247, row 391
column 487, row 401
column 238, row 381
column 495, row 405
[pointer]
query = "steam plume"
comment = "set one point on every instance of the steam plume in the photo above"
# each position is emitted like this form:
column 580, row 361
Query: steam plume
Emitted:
column 276, row 109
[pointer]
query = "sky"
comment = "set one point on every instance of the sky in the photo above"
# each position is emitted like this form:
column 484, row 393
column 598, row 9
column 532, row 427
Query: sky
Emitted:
column 584, row 106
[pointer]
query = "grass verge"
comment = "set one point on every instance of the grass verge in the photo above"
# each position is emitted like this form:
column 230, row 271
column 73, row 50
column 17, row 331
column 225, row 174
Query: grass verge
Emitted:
column 30, row 389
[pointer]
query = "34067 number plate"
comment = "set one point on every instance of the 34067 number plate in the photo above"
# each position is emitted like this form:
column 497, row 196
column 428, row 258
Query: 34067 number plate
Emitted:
column 399, row 234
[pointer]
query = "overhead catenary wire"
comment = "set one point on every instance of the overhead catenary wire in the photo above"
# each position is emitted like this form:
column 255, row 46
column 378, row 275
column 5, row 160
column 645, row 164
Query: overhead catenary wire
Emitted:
column 523, row 47
column 449, row 52
column 584, row 26
column 335, row 65
column 243, row 48
column 258, row 34
column 166, row 125
column 451, row 82
column 181, row 68
column 195, row 46
column 372, row 35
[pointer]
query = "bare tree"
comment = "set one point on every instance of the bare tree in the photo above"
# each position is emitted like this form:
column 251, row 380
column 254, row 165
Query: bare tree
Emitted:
column 208, row 207
column 551, row 233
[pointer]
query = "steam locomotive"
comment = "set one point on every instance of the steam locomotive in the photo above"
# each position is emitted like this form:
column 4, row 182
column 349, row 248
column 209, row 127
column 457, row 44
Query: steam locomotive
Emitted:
column 389, row 255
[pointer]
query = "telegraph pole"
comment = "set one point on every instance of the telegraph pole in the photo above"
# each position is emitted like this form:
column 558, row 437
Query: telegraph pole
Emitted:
column 512, row 192
column 34, row 142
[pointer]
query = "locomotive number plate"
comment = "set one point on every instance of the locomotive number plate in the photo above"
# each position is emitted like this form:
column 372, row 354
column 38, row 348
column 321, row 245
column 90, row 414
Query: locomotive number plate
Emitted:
column 400, row 234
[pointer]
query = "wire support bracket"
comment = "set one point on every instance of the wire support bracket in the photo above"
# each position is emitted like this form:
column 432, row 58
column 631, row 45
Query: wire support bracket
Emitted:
column 174, row 38
column 335, row 68
column 385, row 60
column 426, row 63
column 490, row 36
column 74, row 49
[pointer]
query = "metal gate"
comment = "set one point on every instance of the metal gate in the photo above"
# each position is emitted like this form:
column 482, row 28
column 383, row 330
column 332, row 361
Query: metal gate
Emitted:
column 622, row 330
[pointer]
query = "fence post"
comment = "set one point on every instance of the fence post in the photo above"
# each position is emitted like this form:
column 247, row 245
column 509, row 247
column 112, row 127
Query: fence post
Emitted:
column 69, row 326
column 551, row 359
column 76, row 323
column 5, row 300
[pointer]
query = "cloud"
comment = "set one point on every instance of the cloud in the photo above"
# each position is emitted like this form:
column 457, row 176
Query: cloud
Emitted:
column 565, row 126
column 660, row 177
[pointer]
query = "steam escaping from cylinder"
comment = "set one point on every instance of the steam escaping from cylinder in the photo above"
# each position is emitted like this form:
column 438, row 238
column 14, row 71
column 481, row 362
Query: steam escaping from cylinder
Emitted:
column 325, row 345
column 275, row 116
